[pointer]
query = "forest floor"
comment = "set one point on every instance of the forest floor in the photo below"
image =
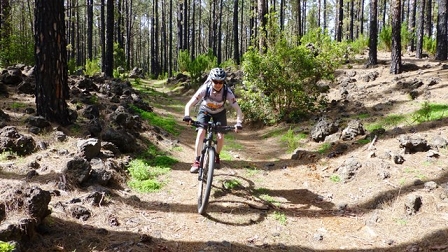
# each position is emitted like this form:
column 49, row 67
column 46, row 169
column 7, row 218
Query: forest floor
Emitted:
column 282, row 204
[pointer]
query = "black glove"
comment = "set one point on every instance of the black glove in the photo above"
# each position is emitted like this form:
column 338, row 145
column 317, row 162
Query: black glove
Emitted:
column 187, row 119
column 239, row 126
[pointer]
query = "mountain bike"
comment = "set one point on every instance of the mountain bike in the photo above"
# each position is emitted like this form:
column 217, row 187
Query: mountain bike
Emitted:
column 207, row 161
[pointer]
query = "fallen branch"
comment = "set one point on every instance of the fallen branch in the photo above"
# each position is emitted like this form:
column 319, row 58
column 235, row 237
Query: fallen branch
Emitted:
column 372, row 143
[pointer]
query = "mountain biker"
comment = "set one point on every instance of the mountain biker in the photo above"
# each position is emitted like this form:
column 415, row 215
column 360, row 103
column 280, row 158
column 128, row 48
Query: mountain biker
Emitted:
column 212, row 106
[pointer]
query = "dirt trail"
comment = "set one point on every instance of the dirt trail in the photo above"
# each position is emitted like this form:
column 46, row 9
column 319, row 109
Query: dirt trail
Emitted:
column 281, row 204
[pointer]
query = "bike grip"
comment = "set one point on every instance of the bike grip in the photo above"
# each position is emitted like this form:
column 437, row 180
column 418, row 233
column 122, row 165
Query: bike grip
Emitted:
column 186, row 119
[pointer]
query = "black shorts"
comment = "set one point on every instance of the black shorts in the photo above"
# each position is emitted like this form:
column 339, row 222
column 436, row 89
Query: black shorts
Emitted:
column 204, row 117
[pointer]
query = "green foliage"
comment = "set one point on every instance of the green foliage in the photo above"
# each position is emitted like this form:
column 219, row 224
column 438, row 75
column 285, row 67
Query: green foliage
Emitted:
column 406, row 35
column 324, row 148
column 281, row 217
column 16, row 49
column 6, row 247
column 92, row 67
column 229, row 64
column 360, row 44
column 197, row 66
column 166, row 123
column 231, row 184
column 282, row 82
column 146, row 169
column 200, row 64
column 183, row 60
column 363, row 141
column 385, row 36
column 292, row 139
column 389, row 121
column 119, row 56
column 71, row 64
column 429, row 45
column 430, row 112
column 335, row 178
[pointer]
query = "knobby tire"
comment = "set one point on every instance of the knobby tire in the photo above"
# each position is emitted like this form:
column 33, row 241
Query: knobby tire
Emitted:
column 206, row 180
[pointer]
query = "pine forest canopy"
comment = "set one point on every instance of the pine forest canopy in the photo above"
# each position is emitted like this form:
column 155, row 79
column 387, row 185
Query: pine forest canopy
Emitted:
column 150, row 34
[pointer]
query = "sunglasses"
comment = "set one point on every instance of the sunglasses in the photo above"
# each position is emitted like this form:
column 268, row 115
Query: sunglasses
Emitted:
column 218, row 82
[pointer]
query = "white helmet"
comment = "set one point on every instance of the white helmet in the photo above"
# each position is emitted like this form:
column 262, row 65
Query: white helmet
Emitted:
column 217, row 74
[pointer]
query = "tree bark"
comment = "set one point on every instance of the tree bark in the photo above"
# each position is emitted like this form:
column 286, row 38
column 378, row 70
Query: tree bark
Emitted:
column 420, row 30
column 395, row 65
column 373, row 36
column 89, row 29
column 51, row 61
column 109, row 66
column 428, row 18
column 262, row 11
column 103, row 35
column 441, row 43
column 236, row 50
column 340, row 20
column 411, row 25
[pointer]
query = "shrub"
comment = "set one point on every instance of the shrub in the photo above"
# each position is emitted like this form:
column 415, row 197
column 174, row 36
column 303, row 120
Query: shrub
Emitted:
column 386, row 37
column 429, row 45
column 282, row 83
column 92, row 67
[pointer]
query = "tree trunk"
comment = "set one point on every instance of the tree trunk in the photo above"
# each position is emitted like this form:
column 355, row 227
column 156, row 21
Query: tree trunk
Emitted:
column 352, row 18
column 155, row 63
column 170, row 41
column 262, row 11
column 89, row 29
column 373, row 36
column 193, row 30
column 428, row 18
column 164, row 42
column 129, row 42
column 186, row 14
column 180, row 12
column 340, row 20
column 219, row 38
column 5, row 29
column 109, row 66
column 361, row 19
column 236, row 50
column 395, row 65
column 441, row 43
column 51, row 61
column 420, row 30
column 103, row 36
column 411, row 25
column 325, row 15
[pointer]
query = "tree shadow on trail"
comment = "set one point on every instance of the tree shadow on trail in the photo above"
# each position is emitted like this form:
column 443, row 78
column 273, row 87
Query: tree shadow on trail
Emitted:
column 71, row 236
column 245, row 200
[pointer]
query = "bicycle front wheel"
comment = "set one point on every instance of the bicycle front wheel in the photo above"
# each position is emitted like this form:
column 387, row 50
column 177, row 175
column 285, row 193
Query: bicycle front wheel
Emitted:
column 206, row 179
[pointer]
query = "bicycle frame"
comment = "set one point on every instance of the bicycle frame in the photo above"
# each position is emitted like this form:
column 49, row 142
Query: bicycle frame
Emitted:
column 207, row 162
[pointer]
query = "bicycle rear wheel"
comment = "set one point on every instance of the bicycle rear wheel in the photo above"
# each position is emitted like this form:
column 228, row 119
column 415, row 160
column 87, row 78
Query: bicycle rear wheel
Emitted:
column 206, row 179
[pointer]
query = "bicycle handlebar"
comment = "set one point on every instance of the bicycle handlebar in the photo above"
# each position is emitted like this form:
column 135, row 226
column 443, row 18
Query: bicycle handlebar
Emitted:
column 215, row 126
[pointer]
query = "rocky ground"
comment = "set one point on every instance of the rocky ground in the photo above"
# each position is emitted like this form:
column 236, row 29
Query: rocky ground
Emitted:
column 389, row 194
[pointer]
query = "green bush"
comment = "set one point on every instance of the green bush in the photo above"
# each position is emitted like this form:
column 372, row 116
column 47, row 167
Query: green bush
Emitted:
column 197, row 66
column 429, row 45
column 386, row 38
column 16, row 49
column 282, row 83
column 183, row 60
column 6, row 247
column 92, row 67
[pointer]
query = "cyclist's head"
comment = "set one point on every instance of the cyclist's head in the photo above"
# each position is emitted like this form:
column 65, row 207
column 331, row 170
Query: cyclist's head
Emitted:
column 217, row 75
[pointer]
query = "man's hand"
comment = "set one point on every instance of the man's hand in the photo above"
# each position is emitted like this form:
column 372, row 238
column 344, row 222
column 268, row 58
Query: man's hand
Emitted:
column 187, row 119
column 238, row 127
